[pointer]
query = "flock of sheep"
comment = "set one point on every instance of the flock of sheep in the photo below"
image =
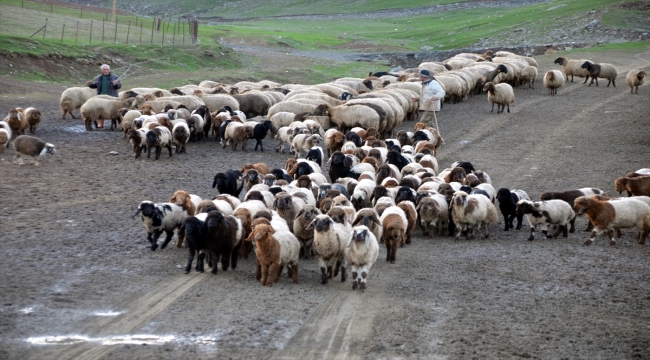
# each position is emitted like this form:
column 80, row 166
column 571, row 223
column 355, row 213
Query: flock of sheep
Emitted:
column 380, row 184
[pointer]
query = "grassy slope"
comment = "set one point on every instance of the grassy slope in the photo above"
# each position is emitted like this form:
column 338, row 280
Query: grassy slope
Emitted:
column 192, row 63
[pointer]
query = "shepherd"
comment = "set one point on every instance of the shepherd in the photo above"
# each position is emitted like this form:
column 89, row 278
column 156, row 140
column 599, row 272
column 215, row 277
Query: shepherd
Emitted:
column 106, row 84
column 429, row 99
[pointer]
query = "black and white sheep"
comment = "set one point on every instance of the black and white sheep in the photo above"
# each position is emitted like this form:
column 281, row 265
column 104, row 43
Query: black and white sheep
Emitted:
column 547, row 215
column 602, row 70
column 158, row 137
column 470, row 212
column 304, row 142
column 158, row 218
column 231, row 182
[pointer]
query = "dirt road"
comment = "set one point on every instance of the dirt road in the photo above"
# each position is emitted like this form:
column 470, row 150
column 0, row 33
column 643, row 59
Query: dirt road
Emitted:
column 79, row 281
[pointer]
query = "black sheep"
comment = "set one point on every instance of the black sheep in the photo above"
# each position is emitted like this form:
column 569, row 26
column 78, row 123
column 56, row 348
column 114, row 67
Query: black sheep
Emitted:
column 222, row 243
column 196, row 240
column 222, row 129
column 508, row 205
column 281, row 175
column 315, row 154
column 230, row 183
column 420, row 136
column 397, row 159
column 341, row 167
column 379, row 192
column 354, row 137
column 259, row 133
column 405, row 193
column 303, row 169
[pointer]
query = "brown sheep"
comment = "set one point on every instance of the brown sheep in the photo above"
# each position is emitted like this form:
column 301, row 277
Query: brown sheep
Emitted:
column 457, row 174
column 609, row 215
column 290, row 164
column 334, row 140
column 304, row 182
column 325, row 205
column 411, row 217
column 394, row 224
column 16, row 121
column 635, row 186
column 274, row 251
column 33, row 117
column 302, row 221
column 261, row 168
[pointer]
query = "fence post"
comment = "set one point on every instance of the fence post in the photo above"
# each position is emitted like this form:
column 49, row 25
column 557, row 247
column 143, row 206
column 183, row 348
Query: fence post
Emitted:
column 62, row 31
column 141, row 32
column 128, row 29
column 183, row 33
column 82, row 13
column 50, row 8
column 153, row 25
column 162, row 42
column 90, row 38
column 103, row 31
column 115, row 38
column 22, row 4
column 174, row 34
column 168, row 22
column 76, row 33
column 45, row 28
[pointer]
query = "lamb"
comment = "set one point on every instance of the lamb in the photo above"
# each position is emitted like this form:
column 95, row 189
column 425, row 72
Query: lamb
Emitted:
column 434, row 214
column 288, row 206
column 274, row 250
column 30, row 146
column 370, row 219
column 73, row 97
column 187, row 201
column 609, row 215
column 569, row 197
column 304, row 142
column 572, row 68
column 158, row 137
column 635, row 186
column 316, row 155
column 334, row 140
column 394, row 224
column 284, row 135
column 330, row 241
column 195, row 239
column 236, row 132
column 360, row 255
column 230, row 182
column 500, row 94
column 33, row 117
column 138, row 140
column 556, row 213
column 411, row 217
column 16, row 121
column 361, row 196
column 158, row 218
column 527, row 77
column 259, row 132
column 5, row 136
column 553, row 80
column 226, row 235
column 470, row 212
column 180, row 136
column 508, row 200
column 306, row 237
column 602, row 70
column 282, row 119
column 98, row 108
column 634, row 79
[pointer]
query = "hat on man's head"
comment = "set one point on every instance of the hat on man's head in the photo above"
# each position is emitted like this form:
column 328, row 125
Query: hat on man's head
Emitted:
column 425, row 72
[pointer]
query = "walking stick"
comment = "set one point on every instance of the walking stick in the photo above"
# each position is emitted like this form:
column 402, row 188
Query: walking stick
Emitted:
column 436, row 119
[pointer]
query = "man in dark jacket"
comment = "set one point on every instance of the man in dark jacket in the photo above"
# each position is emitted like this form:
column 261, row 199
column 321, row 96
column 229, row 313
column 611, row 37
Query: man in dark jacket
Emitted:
column 106, row 84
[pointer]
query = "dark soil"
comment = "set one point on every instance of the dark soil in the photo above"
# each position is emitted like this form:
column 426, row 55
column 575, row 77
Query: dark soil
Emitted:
column 76, row 266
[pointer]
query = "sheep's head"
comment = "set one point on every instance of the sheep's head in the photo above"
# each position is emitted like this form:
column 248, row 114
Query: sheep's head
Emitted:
column 325, row 205
column 354, row 138
column 361, row 234
column 528, row 207
column 304, row 181
column 290, row 163
column 338, row 215
column 428, row 206
column 308, row 212
column 459, row 198
column 181, row 198
column 581, row 205
column 322, row 190
column 282, row 201
column 48, row 149
column 341, row 201
column 559, row 60
column 220, row 181
column 304, row 169
column 503, row 195
column 263, row 232
column 147, row 208
column 338, row 159
column 587, row 65
column 405, row 193
column 321, row 223
column 252, row 176
column 489, row 87
column 269, row 179
column 621, row 184
column 640, row 75
column 255, row 195
column 366, row 217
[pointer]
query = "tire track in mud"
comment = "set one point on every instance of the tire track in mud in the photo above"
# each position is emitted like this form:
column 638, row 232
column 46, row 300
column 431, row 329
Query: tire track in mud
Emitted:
column 141, row 311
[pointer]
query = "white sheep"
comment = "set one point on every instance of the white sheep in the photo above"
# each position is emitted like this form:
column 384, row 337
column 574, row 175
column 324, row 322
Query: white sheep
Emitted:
column 433, row 213
column 30, row 146
column 5, row 135
column 500, row 94
column 347, row 117
column 73, row 97
column 190, row 101
column 634, row 79
column 361, row 197
column 98, row 108
column 615, row 214
column 158, row 137
column 553, row 80
column 470, row 212
column 361, row 254
column 304, row 142
column 180, row 136
column 330, row 241
column 282, row 119
column 549, row 214
column 528, row 76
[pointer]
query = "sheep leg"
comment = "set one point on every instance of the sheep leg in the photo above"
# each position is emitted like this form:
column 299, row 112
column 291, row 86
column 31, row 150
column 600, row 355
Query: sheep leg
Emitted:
column 643, row 236
column 200, row 262
column 243, row 144
column 234, row 256
column 190, row 259
column 154, row 240
column 586, row 78
column 258, row 270
column 355, row 281
column 493, row 108
column 364, row 275
column 265, row 274
column 294, row 272
column 225, row 260
column 343, row 273
column 168, row 238
column 273, row 274
column 610, row 234
column 214, row 261
column 532, row 232
column 595, row 232
column 565, row 231
column 520, row 218
column 388, row 249
column 149, row 152
column 487, row 231
column 323, row 275
column 508, row 105
column 573, row 224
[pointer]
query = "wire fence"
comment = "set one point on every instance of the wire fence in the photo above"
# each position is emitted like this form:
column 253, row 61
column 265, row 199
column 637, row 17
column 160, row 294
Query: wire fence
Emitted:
column 71, row 25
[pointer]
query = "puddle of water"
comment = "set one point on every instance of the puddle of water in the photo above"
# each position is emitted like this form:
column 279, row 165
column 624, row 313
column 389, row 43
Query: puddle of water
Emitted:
column 139, row 339
column 108, row 313
column 75, row 129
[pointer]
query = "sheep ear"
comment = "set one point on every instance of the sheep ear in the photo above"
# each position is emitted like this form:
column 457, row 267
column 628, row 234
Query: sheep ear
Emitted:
column 375, row 219
column 275, row 204
column 356, row 221
column 137, row 212
column 302, row 211
column 173, row 199
column 417, row 208
column 188, row 202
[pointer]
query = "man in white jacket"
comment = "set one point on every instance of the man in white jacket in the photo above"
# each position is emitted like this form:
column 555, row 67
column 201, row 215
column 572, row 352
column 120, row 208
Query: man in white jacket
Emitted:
column 430, row 97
